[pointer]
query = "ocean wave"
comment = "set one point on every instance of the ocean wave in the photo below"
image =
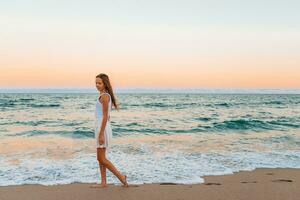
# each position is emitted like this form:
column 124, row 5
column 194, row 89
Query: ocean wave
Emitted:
column 44, row 105
column 77, row 133
column 134, row 128
column 9, row 103
column 183, row 105
column 241, row 124
column 44, row 123
column 252, row 125
column 286, row 122
column 274, row 102
column 221, row 104
column 30, row 123
column 205, row 119
column 27, row 99
column 161, row 105
column 12, row 103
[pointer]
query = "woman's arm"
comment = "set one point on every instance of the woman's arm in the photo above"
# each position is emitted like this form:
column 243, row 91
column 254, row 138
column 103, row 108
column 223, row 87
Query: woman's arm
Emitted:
column 105, row 104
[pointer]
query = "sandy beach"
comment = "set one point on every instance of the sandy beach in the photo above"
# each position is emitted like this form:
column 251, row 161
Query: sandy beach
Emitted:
column 262, row 183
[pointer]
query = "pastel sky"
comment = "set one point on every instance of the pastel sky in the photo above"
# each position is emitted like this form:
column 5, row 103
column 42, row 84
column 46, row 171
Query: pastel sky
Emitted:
column 154, row 43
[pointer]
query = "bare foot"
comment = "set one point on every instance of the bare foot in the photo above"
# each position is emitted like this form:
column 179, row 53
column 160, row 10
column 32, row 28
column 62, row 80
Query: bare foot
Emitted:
column 102, row 185
column 125, row 181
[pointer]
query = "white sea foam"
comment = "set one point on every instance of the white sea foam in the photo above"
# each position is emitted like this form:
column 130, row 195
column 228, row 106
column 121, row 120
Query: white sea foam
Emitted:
column 175, row 167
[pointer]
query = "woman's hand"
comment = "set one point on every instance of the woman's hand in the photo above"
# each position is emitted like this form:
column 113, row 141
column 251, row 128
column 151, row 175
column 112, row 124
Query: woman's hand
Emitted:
column 101, row 139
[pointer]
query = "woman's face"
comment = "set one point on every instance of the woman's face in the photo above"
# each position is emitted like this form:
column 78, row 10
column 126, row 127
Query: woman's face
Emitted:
column 99, row 84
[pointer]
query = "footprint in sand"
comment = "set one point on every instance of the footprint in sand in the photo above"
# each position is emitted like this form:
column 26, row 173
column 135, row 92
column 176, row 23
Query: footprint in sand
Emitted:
column 282, row 180
column 168, row 183
column 249, row 182
column 269, row 173
column 212, row 184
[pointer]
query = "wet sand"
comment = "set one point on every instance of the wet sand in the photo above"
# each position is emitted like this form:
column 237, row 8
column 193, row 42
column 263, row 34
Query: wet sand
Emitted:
column 260, row 184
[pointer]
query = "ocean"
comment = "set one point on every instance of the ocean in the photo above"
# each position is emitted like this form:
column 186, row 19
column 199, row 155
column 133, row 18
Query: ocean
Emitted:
column 48, row 138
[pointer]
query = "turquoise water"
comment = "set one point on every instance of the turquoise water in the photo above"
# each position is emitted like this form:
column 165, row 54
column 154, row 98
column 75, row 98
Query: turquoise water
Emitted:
column 49, row 138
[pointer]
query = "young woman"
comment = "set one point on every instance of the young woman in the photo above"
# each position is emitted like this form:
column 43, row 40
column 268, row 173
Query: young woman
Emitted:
column 103, row 131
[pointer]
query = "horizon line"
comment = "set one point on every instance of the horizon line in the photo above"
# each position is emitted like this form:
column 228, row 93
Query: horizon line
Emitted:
column 152, row 90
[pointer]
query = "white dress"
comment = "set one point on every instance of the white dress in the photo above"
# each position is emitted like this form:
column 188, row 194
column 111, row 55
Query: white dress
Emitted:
column 98, row 122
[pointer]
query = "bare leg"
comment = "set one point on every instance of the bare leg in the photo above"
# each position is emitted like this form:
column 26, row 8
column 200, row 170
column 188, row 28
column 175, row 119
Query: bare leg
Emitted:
column 103, row 174
column 107, row 164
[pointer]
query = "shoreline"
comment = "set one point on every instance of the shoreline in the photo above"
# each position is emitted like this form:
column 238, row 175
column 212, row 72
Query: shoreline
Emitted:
column 261, row 183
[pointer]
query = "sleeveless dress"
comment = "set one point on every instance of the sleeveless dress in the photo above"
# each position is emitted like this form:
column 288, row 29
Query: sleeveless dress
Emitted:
column 98, row 122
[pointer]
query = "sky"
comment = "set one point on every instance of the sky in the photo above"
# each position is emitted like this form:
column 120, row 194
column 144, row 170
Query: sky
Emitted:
column 157, row 44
